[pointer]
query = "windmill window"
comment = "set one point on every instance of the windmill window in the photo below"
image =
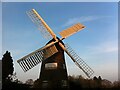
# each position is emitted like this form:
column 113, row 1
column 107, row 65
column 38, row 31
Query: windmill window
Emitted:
column 51, row 66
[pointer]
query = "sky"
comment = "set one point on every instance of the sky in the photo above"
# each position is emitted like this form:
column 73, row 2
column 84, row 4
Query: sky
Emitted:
column 61, row 1
column 0, row 30
column 97, row 44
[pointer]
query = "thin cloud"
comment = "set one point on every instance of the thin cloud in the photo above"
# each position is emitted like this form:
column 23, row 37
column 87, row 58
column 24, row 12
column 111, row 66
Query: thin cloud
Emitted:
column 82, row 19
column 105, row 72
column 105, row 47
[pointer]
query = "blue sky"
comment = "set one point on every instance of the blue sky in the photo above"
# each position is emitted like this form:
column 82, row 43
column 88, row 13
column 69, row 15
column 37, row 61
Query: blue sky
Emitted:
column 97, row 44
column 60, row 1
column 0, row 30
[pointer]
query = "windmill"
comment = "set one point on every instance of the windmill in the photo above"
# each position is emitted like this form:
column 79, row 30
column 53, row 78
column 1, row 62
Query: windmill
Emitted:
column 53, row 68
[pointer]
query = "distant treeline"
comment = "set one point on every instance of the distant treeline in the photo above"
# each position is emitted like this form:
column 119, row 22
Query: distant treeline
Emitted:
column 95, row 83
column 10, row 81
column 75, row 83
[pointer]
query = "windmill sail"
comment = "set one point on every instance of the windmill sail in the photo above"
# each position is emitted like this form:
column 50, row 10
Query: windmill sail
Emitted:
column 68, row 32
column 42, row 26
column 78, row 61
column 36, row 57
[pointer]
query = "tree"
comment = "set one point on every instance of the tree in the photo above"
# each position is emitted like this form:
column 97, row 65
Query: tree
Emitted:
column 29, row 82
column 36, row 84
column 116, row 84
column 97, row 82
column 7, row 66
column 106, row 83
column 99, row 78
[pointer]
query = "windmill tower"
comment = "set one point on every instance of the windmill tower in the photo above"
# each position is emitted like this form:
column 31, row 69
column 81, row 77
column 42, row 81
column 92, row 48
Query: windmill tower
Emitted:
column 53, row 69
